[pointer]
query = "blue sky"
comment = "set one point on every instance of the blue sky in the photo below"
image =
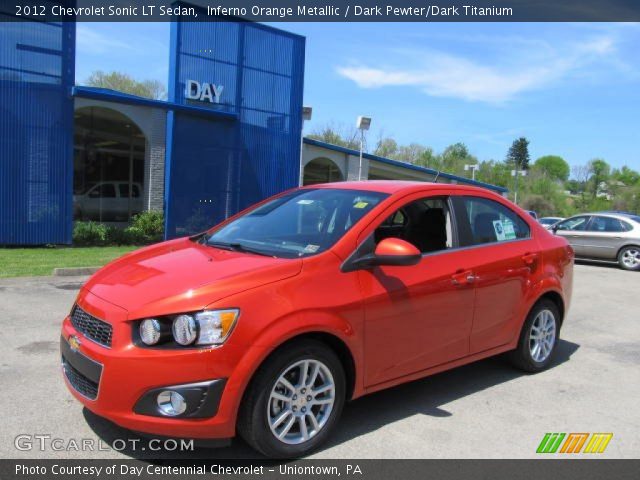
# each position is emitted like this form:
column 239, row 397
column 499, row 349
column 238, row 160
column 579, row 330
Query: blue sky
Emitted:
column 572, row 89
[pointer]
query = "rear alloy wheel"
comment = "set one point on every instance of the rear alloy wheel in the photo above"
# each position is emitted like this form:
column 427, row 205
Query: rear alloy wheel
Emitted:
column 294, row 401
column 629, row 258
column 538, row 338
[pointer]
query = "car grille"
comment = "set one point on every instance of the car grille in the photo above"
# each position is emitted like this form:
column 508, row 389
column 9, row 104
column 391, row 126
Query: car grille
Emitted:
column 91, row 327
column 79, row 382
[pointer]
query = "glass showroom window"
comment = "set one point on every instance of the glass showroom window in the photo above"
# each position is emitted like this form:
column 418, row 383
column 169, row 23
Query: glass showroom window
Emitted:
column 108, row 170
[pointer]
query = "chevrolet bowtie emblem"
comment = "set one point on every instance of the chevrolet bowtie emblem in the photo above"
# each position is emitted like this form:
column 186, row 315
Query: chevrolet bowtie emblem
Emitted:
column 74, row 343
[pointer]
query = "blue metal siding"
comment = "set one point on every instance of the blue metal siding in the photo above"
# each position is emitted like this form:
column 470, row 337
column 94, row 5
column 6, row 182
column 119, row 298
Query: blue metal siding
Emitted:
column 36, row 132
column 217, row 167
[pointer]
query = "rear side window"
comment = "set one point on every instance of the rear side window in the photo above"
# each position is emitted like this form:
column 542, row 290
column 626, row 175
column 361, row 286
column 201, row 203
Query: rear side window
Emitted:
column 481, row 221
column 607, row 224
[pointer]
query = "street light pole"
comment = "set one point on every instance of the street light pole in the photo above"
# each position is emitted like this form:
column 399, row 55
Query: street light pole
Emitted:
column 306, row 115
column 361, row 148
column 362, row 124
column 473, row 167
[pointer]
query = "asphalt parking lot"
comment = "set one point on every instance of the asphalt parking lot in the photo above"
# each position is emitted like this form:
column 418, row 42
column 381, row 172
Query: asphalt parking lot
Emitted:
column 484, row 410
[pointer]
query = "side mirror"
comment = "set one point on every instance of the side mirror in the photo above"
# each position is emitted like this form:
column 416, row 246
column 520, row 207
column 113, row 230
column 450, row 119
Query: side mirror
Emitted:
column 554, row 228
column 390, row 251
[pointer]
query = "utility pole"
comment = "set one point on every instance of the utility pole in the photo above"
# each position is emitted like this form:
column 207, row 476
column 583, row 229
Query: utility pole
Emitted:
column 515, row 173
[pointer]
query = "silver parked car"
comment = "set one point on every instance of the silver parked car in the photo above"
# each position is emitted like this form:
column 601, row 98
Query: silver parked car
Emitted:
column 108, row 201
column 604, row 236
column 548, row 222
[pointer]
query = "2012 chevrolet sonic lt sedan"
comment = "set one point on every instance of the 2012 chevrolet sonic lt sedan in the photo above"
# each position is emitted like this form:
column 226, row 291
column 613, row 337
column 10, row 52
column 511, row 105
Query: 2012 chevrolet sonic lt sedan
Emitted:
column 267, row 323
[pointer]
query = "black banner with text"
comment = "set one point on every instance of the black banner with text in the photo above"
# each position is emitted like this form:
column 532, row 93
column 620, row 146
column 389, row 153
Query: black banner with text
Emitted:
column 322, row 10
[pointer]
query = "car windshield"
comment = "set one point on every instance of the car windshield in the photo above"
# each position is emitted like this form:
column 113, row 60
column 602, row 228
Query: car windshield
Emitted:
column 548, row 221
column 301, row 223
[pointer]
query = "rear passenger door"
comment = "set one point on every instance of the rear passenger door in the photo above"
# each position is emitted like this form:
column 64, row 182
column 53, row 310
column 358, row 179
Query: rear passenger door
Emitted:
column 501, row 255
column 603, row 237
column 418, row 316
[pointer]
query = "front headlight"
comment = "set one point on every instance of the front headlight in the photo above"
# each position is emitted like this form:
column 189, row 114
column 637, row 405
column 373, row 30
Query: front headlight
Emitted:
column 214, row 326
column 211, row 327
column 184, row 329
column 150, row 331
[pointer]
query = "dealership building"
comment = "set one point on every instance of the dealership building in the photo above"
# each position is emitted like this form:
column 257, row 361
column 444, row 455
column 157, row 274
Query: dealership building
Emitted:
column 228, row 136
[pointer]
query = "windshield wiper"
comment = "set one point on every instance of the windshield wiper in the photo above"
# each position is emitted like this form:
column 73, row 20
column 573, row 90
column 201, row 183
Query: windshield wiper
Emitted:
column 237, row 247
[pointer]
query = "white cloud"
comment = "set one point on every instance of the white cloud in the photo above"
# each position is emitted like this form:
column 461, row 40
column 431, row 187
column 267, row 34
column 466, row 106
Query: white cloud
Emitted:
column 90, row 41
column 441, row 74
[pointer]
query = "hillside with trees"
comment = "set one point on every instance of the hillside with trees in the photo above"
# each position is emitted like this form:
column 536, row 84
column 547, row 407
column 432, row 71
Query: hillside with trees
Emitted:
column 549, row 186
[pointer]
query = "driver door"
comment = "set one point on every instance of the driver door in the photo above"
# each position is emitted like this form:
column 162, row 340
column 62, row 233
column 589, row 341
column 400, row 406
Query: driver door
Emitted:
column 420, row 316
column 574, row 230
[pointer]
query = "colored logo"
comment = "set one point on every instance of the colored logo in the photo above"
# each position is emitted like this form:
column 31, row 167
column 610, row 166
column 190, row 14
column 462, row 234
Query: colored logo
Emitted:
column 74, row 343
column 574, row 442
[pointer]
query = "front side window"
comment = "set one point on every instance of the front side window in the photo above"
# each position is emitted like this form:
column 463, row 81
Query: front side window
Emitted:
column 425, row 223
column 300, row 223
column 576, row 224
column 481, row 221
column 548, row 221
column 104, row 190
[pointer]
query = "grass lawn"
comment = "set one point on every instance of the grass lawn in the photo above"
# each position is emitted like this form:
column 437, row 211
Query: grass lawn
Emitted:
column 24, row 262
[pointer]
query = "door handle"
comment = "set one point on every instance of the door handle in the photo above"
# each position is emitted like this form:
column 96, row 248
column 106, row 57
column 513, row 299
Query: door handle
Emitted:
column 463, row 277
column 530, row 258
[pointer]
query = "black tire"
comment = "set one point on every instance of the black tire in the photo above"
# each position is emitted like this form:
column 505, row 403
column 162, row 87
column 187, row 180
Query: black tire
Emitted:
column 522, row 357
column 253, row 423
column 626, row 251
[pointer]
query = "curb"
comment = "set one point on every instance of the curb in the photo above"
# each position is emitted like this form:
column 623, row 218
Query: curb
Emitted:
column 76, row 271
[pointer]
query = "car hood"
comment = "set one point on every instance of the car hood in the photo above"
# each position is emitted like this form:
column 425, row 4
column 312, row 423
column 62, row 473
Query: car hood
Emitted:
column 182, row 276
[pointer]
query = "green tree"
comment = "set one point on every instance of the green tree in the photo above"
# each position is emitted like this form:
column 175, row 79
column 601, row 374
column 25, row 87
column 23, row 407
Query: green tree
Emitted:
column 386, row 147
column 626, row 175
column 335, row 135
column 518, row 157
column 539, row 204
column 599, row 170
column 554, row 166
column 518, row 154
column 409, row 153
column 127, row 84
column 455, row 157
column 429, row 159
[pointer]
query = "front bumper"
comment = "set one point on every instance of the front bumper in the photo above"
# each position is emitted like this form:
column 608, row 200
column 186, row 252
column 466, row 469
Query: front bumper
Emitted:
column 121, row 382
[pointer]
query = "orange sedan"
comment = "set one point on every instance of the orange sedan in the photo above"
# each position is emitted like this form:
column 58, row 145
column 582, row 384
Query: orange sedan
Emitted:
column 267, row 323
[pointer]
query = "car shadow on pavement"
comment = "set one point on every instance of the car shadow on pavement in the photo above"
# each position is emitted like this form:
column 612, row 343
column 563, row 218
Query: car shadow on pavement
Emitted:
column 428, row 396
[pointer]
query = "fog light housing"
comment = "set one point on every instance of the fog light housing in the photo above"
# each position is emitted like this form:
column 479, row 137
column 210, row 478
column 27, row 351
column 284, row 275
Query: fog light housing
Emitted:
column 171, row 403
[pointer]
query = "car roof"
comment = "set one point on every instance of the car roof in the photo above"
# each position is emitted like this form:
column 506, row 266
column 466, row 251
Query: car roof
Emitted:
column 619, row 216
column 395, row 186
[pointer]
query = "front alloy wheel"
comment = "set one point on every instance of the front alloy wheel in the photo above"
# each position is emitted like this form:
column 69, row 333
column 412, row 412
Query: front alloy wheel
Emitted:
column 301, row 401
column 294, row 401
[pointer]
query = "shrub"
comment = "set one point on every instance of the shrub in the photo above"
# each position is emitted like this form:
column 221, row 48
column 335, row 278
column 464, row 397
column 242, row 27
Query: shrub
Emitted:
column 147, row 227
column 117, row 236
column 89, row 234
